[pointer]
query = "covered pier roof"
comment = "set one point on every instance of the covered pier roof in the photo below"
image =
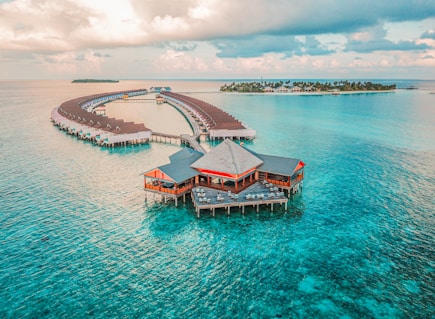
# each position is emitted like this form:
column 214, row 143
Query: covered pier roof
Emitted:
column 74, row 111
column 213, row 117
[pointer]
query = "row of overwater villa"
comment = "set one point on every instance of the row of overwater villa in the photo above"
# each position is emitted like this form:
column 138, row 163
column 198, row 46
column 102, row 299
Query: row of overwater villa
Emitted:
column 85, row 117
column 228, row 176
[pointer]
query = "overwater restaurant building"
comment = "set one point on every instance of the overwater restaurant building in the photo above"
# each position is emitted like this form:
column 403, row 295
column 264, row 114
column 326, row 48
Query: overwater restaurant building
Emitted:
column 227, row 167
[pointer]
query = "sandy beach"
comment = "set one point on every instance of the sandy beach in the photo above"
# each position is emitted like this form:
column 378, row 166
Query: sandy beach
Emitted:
column 161, row 118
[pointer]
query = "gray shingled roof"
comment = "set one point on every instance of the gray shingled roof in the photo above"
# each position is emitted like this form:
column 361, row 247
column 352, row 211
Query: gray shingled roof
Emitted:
column 278, row 165
column 179, row 169
column 185, row 153
column 228, row 157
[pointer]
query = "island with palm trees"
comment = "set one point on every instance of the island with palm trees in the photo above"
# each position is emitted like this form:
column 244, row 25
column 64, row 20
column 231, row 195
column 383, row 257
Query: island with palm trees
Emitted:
column 282, row 86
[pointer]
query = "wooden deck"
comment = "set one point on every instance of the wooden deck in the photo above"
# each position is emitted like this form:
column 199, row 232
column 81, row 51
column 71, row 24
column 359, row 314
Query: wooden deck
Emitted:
column 258, row 194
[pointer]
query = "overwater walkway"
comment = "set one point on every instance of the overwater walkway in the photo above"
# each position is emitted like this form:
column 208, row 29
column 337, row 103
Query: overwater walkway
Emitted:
column 79, row 117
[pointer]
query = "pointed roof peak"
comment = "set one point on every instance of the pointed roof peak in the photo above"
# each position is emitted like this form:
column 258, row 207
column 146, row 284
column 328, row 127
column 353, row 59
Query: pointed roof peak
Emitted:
column 228, row 157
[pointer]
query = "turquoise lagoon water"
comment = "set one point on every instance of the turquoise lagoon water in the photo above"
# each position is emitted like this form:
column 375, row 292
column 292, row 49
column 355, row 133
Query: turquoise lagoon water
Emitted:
column 79, row 239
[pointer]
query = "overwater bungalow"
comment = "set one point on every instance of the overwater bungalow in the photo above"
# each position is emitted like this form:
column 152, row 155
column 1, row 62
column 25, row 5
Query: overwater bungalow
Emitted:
column 85, row 117
column 100, row 110
column 229, row 175
column 295, row 89
column 282, row 89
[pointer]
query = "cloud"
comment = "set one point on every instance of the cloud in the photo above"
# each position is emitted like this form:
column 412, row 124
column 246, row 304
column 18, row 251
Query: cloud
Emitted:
column 177, row 45
column 201, row 36
column 172, row 60
column 101, row 55
column 248, row 47
column 429, row 34
column 313, row 46
column 384, row 45
column 374, row 39
column 48, row 25
column 256, row 46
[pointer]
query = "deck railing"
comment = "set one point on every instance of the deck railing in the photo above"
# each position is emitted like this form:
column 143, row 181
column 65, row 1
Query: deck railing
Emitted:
column 286, row 184
column 278, row 183
column 227, row 187
column 160, row 189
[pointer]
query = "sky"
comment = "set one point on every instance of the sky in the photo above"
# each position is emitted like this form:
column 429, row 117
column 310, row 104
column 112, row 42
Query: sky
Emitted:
column 217, row 39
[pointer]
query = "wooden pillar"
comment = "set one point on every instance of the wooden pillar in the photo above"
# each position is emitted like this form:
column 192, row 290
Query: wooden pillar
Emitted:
column 176, row 201
column 258, row 208
column 229, row 210
column 213, row 212
column 237, row 185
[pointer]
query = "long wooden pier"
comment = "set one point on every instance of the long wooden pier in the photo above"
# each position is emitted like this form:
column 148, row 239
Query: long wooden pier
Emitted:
column 183, row 139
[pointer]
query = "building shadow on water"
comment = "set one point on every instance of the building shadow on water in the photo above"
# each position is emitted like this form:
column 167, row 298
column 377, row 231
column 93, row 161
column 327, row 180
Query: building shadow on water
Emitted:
column 168, row 221
column 124, row 150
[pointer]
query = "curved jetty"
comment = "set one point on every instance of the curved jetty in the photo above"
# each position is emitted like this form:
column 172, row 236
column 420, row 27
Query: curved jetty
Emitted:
column 228, row 176
column 84, row 118
column 214, row 122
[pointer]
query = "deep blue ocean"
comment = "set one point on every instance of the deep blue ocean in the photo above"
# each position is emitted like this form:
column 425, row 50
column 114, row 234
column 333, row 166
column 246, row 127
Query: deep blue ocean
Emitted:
column 79, row 238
